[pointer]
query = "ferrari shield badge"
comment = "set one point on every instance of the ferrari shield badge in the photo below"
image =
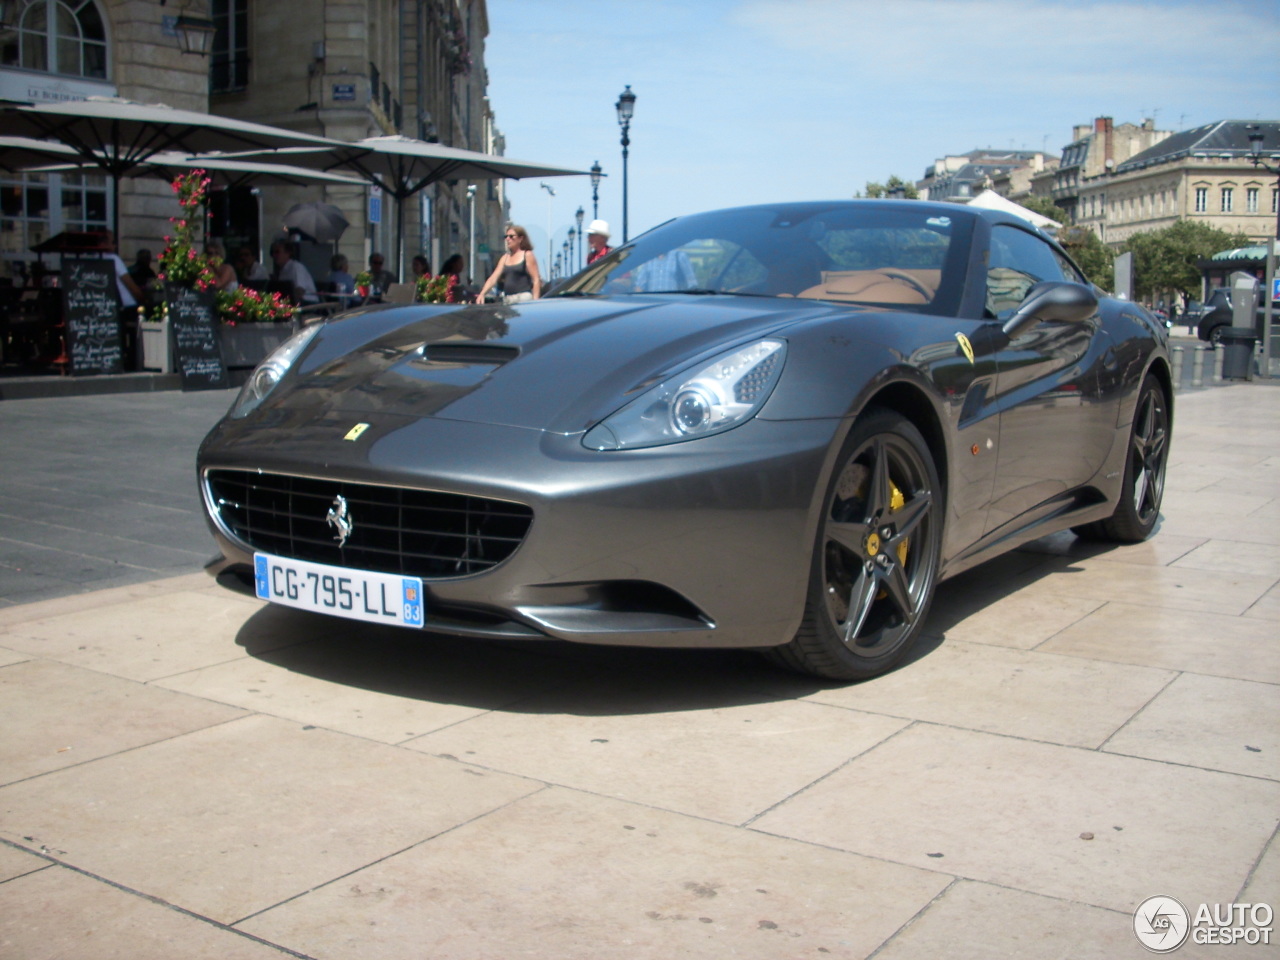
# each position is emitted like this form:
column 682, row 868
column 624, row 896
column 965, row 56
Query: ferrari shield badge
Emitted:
column 354, row 432
column 965, row 345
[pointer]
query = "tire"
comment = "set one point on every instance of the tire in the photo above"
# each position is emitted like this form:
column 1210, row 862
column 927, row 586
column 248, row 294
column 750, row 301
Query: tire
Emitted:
column 1147, row 459
column 1215, row 335
column 876, row 556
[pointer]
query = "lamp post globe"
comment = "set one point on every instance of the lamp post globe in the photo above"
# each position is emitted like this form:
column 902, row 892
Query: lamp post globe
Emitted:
column 596, row 174
column 579, row 217
column 626, row 107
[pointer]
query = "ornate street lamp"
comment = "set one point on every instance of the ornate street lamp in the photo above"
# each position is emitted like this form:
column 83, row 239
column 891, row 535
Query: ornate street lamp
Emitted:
column 1256, row 138
column 596, row 174
column 626, row 107
column 555, row 274
column 571, row 261
column 579, row 217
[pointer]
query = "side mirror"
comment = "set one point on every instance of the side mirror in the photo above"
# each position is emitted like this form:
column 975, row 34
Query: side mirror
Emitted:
column 1052, row 300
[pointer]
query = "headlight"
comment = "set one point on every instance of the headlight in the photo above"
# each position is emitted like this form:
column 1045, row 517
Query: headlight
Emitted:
column 697, row 403
column 271, row 371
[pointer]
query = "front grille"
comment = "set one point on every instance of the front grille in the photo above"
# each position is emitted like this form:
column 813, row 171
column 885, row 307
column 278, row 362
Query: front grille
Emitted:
column 418, row 533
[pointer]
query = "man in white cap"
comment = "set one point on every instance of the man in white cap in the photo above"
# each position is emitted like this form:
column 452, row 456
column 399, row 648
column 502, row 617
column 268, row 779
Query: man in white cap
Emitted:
column 597, row 240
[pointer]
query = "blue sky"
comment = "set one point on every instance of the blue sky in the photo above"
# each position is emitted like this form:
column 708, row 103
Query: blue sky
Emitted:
column 747, row 101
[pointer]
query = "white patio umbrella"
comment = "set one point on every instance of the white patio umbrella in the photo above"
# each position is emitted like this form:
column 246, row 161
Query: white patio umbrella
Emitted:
column 403, row 166
column 22, row 153
column 994, row 201
column 118, row 135
column 223, row 171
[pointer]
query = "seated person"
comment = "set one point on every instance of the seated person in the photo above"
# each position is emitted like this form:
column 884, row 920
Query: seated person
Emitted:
column 293, row 272
column 341, row 279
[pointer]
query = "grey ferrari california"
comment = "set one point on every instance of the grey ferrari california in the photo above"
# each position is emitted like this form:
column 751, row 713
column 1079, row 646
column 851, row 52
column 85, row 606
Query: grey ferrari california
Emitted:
column 774, row 427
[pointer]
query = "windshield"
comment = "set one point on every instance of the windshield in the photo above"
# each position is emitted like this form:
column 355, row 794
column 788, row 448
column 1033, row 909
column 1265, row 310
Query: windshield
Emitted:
column 897, row 254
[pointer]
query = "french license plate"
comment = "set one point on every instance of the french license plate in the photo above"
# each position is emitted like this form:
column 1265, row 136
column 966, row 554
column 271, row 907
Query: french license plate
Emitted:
column 357, row 594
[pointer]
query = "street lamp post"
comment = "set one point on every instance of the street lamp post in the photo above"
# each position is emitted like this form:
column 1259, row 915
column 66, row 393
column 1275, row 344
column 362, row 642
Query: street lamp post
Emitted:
column 571, row 261
column 579, row 217
column 626, row 107
column 1256, row 137
column 471, row 202
column 596, row 174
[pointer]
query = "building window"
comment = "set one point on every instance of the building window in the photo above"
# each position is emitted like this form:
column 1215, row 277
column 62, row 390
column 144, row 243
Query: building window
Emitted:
column 1228, row 195
column 1251, row 200
column 229, row 66
column 57, row 36
column 1275, row 199
column 1202, row 199
column 35, row 207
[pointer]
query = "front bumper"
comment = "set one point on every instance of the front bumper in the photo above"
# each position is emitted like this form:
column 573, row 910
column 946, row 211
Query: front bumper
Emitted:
column 702, row 543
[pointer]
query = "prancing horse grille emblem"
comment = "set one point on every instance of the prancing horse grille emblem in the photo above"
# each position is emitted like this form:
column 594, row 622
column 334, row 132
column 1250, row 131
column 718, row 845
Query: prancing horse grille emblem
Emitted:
column 340, row 518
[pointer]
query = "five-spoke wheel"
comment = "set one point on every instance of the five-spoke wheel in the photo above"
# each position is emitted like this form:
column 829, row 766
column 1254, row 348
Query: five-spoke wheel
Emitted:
column 876, row 557
column 1138, row 509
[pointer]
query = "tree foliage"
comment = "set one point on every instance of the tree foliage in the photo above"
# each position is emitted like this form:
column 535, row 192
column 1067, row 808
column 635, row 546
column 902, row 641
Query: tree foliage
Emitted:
column 1165, row 260
column 1089, row 252
column 878, row 190
column 1046, row 208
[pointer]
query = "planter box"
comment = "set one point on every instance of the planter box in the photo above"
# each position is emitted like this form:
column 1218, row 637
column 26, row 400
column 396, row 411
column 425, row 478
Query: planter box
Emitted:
column 248, row 344
column 155, row 352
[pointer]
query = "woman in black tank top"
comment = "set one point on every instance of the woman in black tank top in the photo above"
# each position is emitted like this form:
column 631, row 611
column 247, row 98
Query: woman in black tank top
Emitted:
column 517, row 270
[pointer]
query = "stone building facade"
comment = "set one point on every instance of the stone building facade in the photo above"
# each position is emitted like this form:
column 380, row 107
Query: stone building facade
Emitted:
column 345, row 69
column 349, row 69
column 120, row 48
column 1202, row 174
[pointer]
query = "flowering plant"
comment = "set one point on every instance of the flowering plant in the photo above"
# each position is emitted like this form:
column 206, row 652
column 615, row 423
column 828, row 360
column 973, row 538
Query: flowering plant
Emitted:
column 441, row 289
column 180, row 263
column 244, row 305
column 364, row 279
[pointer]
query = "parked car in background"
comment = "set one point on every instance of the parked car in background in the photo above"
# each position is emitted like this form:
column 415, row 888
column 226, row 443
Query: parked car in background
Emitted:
column 773, row 427
column 1216, row 316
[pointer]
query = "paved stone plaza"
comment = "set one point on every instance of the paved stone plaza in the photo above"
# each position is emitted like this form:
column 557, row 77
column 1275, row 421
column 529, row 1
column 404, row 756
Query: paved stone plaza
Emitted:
column 189, row 773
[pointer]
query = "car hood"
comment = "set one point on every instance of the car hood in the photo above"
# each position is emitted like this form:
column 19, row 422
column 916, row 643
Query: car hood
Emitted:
column 556, row 364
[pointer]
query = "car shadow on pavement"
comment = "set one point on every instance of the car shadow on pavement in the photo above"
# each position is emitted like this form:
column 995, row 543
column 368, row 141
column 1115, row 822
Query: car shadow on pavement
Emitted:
column 549, row 676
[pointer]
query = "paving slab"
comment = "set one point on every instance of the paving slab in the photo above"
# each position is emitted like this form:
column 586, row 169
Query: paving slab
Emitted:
column 1021, row 693
column 1243, row 648
column 1208, row 722
column 59, row 716
column 1013, row 812
column 228, row 821
column 59, row 914
column 524, row 882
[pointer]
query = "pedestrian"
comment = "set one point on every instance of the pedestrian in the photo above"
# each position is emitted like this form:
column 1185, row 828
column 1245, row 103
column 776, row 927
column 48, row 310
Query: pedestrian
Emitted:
column 249, row 269
column 517, row 269
column 141, row 271
column 419, row 266
column 382, row 277
column 130, row 297
column 226, row 279
column 339, row 277
column 597, row 240
column 293, row 272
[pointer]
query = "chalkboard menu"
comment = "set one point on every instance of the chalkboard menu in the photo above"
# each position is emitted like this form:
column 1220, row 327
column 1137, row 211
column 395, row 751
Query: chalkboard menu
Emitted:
column 194, row 325
column 91, row 308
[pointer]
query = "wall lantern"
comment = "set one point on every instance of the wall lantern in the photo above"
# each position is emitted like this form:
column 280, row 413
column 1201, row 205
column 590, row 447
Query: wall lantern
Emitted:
column 195, row 35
